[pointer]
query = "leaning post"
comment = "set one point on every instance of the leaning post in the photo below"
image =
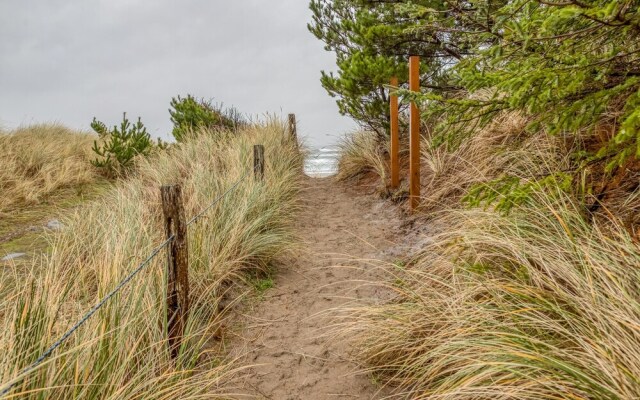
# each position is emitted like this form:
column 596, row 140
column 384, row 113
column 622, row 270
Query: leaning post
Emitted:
column 177, row 266
column 293, row 128
column 414, row 134
column 258, row 162
column 395, row 135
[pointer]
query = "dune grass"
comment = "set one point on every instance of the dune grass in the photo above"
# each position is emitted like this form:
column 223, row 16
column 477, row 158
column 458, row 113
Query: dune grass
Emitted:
column 45, row 172
column 39, row 161
column 361, row 153
column 537, row 304
column 502, row 148
column 447, row 173
column 121, row 352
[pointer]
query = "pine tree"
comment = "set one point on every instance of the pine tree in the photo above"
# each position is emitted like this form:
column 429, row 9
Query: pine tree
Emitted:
column 573, row 65
column 120, row 146
column 372, row 41
column 357, row 34
column 190, row 114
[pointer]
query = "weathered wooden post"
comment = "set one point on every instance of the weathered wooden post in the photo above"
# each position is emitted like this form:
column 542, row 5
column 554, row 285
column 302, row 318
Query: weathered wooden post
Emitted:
column 293, row 128
column 177, row 266
column 258, row 162
column 414, row 134
column 395, row 136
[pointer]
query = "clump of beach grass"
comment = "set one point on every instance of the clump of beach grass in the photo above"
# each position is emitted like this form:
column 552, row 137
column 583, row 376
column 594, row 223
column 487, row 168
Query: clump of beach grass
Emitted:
column 39, row 160
column 539, row 303
column 122, row 351
column 502, row 148
column 362, row 153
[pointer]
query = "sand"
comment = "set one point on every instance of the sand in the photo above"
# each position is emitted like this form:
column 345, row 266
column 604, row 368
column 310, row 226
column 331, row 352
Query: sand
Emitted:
column 285, row 336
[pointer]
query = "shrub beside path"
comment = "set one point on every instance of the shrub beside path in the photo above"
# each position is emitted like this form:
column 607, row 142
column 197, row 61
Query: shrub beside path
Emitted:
column 285, row 336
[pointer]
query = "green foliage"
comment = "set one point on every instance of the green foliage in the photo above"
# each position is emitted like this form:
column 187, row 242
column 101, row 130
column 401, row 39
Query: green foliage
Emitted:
column 190, row 114
column 626, row 144
column 507, row 192
column 261, row 285
column 366, row 102
column 362, row 37
column 372, row 40
column 573, row 65
column 120, row 145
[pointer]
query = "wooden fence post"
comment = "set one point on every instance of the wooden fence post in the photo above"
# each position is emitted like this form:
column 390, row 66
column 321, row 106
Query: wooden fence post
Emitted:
column 293, row 128
column 177, row 266
column 258, row 162
column 395, row 136
column 414, row 135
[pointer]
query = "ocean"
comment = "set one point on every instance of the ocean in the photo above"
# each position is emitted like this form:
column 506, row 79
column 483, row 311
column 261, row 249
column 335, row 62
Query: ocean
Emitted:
column 322, row 162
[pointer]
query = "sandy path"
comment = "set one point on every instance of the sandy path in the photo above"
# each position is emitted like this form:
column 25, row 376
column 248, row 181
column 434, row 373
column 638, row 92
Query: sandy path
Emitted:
column 283, row 334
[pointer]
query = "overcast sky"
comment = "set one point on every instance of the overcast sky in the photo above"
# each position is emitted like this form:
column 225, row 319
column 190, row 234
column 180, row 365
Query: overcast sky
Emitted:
column 70, row 60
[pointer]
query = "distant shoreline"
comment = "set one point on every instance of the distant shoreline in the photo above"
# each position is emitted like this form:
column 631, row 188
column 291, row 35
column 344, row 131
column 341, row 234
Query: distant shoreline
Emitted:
column 322, row 162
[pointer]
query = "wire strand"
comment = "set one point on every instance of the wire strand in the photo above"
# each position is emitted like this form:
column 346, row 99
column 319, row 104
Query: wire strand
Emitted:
column 84, row 319
column 207, row 208
column 113, row 292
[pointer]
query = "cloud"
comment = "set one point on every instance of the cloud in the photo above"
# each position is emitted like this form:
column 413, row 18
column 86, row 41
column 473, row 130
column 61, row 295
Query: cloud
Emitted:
column 68, row 61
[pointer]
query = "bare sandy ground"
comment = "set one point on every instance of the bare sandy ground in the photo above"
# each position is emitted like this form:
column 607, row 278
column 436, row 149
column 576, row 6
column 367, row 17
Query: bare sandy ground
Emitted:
column 285, row 335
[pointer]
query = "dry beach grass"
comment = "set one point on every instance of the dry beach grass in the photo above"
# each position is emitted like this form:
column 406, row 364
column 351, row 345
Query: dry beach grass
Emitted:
column 540, row 302
column 41, row 159
column 537, row 304
column 121, row 352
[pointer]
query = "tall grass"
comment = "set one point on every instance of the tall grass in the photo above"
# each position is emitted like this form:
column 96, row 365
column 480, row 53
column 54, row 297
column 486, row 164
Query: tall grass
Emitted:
column 122, row 353
column 502, row 148
column 543, row 302
column 537, row 304
column 361, row 153
column 40, row 159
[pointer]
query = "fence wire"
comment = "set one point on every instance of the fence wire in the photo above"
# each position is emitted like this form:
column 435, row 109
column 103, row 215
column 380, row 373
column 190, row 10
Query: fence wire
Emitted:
column 217, row 199
column 113, row 292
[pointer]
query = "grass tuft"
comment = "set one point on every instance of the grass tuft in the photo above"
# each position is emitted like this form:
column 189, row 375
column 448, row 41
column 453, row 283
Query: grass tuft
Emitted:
column 542, row 301
column 40, row 160
column 360, row 154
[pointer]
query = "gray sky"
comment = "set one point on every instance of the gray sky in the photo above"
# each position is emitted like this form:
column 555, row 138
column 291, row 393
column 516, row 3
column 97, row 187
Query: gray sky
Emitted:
column 68, row 61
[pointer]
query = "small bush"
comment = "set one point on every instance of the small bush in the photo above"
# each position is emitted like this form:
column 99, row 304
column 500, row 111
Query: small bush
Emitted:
column 120, row 145
column 190, row 114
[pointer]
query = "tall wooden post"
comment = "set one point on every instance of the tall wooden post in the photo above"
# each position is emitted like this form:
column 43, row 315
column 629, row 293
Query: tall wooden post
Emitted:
column 414, row 134
column 258, row 162
column 395, row 136
column 177, row 266
column 293, row 128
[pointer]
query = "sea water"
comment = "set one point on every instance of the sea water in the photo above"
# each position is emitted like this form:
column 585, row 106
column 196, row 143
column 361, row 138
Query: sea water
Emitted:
column 322, row 162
